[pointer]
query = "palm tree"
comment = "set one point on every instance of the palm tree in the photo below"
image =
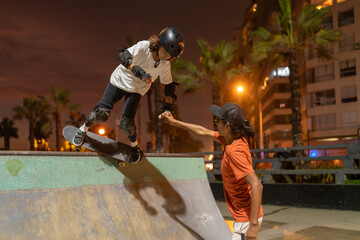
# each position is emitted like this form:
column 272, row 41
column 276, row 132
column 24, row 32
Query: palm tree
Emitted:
column 61, row 102
column 183, row 72
column 294, row 35
column 7, row 130
column 33, row 110
column 217, row 67
column 76, row 118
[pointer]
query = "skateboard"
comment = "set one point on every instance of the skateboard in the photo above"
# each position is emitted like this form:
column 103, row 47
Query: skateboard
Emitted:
column 102, row 145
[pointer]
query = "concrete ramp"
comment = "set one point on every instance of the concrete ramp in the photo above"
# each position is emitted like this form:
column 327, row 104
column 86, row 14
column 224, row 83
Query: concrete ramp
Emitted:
column 86, row 196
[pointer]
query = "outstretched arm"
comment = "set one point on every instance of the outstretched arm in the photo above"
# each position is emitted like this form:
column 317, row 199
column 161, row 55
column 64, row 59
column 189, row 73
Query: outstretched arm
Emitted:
column 197, row 129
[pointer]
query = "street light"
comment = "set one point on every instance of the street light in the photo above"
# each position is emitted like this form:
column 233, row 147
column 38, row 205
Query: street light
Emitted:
column 258, row 103
column 240, row 89
column 101, row 131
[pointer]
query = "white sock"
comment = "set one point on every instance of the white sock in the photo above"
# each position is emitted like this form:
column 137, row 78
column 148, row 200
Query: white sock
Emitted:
column 134, row 144
column 84, row 128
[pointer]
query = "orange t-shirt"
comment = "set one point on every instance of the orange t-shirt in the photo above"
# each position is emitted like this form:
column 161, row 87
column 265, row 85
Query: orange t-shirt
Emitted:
column 236, row 163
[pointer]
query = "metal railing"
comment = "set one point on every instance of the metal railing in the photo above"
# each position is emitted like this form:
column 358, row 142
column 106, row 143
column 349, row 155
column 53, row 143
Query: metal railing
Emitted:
column 347, row 155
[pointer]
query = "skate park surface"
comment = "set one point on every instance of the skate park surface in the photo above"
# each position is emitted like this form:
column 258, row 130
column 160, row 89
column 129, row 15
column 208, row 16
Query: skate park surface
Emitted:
column 294, row 223
column 87, row 196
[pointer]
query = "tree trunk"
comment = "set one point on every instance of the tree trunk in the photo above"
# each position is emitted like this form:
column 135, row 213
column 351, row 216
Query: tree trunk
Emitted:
column 151, row 118
column 139, row 125
column 294, row 79
column 58, row 129
column 31, row 134
column 7, row 136
column 158, row 101
column 216, row 99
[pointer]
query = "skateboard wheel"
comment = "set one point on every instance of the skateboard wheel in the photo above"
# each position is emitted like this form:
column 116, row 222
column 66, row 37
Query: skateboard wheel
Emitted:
column 78, row 149
column 121, row 164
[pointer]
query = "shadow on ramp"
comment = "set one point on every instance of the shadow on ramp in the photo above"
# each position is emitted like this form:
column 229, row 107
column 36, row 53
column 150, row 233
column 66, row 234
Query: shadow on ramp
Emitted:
column 159, row 198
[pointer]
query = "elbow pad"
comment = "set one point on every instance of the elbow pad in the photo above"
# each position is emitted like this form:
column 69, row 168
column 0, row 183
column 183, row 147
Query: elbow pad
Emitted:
column 125, row 57
column 170, row 90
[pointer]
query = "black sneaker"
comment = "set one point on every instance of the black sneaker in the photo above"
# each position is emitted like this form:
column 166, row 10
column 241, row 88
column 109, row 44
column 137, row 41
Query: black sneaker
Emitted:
column 136, row 155
column 78, row 139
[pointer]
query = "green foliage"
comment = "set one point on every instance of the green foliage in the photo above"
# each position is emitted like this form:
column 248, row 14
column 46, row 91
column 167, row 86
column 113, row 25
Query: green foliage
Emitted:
column 60, row 98
column 216, row 61
column 352, row 181
column 311, row 18
column 299, row 32
column 281, row 47
column 8, row 130
column 36, row 111
column 187, row 74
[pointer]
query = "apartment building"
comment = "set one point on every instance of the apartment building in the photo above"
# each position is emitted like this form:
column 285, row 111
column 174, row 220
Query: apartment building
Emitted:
column 330, row 108
column 332, row 105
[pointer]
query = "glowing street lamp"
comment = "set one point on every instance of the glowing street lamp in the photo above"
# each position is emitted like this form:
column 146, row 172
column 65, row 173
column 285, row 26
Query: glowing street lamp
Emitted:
column 101, row 131
column 240, row 89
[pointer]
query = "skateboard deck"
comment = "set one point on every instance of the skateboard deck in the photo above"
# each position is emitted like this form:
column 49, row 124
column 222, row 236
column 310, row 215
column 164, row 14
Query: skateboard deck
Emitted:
column 102, row 145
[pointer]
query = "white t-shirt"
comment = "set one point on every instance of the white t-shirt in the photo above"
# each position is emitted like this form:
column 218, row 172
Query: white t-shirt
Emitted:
column 124, row 79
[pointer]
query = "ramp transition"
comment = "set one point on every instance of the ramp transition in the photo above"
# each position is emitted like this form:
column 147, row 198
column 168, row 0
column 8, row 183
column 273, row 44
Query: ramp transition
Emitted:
column 85, row 196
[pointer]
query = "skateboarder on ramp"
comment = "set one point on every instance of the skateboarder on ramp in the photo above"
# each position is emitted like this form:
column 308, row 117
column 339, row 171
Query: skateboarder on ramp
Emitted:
column 140, row 65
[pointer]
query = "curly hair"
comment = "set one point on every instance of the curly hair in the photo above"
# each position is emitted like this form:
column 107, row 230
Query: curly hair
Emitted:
column 245, row 131
column 154, row 43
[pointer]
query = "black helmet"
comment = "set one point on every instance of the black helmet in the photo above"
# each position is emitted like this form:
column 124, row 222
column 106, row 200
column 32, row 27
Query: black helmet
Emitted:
column 172, row 40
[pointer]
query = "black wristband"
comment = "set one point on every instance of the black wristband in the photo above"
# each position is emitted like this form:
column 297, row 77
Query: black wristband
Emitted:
column 140, row 73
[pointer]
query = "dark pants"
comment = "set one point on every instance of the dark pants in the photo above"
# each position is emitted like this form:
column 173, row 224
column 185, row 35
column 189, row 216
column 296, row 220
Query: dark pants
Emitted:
column 112, row 95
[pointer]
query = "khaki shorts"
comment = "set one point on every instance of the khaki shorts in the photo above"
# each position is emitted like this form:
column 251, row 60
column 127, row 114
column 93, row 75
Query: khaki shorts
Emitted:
column 241, row 228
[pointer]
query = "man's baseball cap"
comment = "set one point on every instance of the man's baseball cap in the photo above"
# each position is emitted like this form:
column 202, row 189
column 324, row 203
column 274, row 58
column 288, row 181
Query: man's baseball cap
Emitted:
column 230, row 112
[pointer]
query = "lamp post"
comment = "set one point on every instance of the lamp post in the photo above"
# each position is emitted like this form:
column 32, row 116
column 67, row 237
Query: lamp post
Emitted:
column 240, row 89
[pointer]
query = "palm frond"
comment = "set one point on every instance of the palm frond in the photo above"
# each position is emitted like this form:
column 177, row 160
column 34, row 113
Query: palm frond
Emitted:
column 323, row 53
column 326, row 36
column 263, row 33
column 284, row 20
column 311, row 18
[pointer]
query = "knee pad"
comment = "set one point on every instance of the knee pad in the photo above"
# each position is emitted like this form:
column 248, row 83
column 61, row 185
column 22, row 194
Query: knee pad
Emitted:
column 127, row 125
column 99, row 115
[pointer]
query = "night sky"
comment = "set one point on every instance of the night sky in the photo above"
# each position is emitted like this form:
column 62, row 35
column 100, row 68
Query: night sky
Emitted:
column 73, row 45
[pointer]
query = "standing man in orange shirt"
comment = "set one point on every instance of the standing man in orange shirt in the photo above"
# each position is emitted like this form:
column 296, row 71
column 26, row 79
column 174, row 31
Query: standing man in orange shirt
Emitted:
column 242, row 188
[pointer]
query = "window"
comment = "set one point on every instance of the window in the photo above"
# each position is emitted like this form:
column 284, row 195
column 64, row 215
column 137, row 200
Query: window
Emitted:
column 348, row 68
column 323, row 98
column 339, row 1
column 347, row 43
column 280, row 72
column 324, row 122
column 346, row 18
column 348, row 94
column 322, row 3
column 320, row 74
column 328, row 22
column 349, row 119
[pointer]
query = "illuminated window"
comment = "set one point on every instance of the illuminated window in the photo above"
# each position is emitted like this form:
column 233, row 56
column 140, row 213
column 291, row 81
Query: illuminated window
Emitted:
column 339, row 1
column 280, row 72
column 323, row 98
column 322, row 3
